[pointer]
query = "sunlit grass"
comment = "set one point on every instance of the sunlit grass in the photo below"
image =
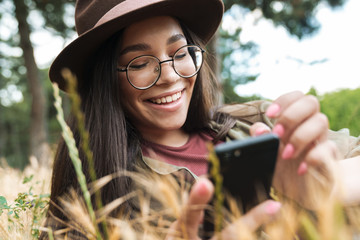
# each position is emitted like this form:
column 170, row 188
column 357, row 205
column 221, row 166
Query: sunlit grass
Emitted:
column 330, row 221
column 24, row 200
column 24, row 197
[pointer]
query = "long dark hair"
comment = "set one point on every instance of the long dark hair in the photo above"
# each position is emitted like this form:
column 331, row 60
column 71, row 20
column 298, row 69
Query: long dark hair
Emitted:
column 113, row 139
column 109, row 133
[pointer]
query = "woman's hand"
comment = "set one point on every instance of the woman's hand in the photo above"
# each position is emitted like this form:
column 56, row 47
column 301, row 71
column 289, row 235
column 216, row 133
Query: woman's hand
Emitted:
column 299, row 124
column 187, row 225
column 303, row 142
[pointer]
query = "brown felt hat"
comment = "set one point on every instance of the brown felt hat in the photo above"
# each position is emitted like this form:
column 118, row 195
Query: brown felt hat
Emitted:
column 97, row 20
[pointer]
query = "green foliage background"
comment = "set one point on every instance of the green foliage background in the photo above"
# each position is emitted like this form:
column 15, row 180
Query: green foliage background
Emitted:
column 343, row 109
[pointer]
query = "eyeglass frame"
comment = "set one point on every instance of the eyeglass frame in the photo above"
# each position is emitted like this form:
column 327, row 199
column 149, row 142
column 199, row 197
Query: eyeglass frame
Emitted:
column 125, row 69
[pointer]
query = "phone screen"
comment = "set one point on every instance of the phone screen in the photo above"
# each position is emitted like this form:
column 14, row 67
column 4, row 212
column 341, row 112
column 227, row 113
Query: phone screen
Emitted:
column 247, row 167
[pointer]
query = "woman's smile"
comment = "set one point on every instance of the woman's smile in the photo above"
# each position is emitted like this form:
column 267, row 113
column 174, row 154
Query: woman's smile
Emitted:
column 166, row 99
column 168, row 103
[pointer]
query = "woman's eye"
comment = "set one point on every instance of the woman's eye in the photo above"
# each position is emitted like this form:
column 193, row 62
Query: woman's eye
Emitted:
column 180, row 55
column 138, row 66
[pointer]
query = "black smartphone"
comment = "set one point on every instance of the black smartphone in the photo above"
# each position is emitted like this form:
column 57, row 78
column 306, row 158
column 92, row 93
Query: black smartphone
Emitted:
column 247, row 167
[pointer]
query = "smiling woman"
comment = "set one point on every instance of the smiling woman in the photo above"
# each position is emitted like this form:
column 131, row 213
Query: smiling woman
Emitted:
column 162, row 37
column 149, row 100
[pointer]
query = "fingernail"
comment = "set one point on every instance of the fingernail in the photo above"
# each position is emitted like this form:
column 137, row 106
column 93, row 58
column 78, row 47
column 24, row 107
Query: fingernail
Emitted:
column 273, row 110
column 260, row 131
column 279, row 130
column 288, row 151
column 272, row 208
column 204, row 186
column 302, row 168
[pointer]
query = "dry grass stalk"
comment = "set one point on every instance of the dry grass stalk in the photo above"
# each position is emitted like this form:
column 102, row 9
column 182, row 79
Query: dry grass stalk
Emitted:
column 327, row 220
column 331, row 223
column 76, row 210
column 74, row 156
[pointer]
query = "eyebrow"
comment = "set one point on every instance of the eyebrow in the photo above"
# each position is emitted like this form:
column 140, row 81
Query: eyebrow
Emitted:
column 134, row 48
column 175, row 38
column 144, row 47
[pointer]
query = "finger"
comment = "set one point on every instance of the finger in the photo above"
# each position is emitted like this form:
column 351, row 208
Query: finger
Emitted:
column 281, row 103
column 263, row 213
column 298, row 112
column 259, row 128
column 313, row 130
column 321, row 157
column 200, row 195
column 323, row 154
column 321, row 174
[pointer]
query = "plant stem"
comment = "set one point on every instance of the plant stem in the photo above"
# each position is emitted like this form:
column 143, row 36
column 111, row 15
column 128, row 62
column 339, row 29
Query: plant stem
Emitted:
column 74, row 155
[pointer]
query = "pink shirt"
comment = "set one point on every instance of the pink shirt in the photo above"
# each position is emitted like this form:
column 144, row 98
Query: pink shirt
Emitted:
column 192, row 155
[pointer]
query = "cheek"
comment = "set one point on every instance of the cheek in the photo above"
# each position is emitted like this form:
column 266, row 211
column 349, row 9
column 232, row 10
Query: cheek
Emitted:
column 193, row 79
column 192, row 82
column 129, row 105
column 130, row 99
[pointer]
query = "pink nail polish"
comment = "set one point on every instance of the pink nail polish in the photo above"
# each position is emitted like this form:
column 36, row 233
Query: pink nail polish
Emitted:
column 288, row 151
column 279, row 130
column 272, row 208
column 204, row 187
column 273, row 110
column 302, row 169
column 260, row 131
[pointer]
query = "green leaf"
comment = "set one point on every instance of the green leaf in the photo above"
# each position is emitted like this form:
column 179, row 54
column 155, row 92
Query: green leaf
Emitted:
column 46, row 195
column 3, row 203
column 28, row 179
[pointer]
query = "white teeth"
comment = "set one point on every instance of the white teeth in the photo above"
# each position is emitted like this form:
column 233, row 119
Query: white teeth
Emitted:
column 167, row 99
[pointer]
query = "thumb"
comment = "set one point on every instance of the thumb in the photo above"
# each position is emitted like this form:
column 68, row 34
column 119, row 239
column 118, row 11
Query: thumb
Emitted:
column 263, row 213
column 259, row 128
column 189, row 221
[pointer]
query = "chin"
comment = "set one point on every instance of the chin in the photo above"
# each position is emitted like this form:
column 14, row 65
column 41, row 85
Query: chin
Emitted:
column 173, row 126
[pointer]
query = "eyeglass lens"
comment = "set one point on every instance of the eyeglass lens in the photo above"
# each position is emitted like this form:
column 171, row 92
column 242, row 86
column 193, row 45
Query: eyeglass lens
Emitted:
column 145, row 70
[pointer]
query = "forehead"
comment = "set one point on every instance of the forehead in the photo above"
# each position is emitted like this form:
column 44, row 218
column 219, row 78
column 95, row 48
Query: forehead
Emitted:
column 151, row 29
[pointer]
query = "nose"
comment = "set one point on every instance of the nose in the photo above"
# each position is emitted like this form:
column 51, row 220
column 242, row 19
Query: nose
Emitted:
column 168, row 74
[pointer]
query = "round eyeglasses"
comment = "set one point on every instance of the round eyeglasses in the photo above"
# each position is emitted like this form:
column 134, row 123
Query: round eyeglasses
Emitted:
column 144, row 71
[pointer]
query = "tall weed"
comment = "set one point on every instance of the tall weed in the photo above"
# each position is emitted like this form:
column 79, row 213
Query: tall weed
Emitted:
column 24, row 199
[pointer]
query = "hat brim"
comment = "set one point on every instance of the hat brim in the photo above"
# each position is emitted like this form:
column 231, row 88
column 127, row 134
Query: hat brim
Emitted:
column 202, row 16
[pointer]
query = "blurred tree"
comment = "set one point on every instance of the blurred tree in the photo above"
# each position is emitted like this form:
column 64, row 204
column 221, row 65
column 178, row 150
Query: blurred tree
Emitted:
column 17, row 69
column 343, row 109
column 236, row 57
column 39, row 147
column 296, row 16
